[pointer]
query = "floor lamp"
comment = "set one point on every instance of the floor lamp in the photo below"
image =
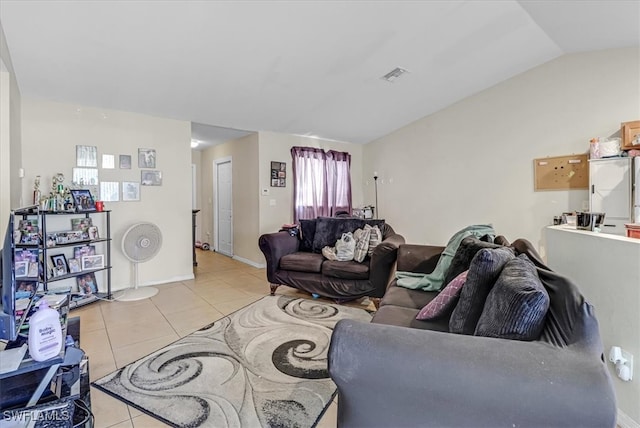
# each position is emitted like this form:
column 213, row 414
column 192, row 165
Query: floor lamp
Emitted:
column 375, row 182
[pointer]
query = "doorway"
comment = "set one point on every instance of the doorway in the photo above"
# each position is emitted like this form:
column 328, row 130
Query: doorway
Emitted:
column 223, row 206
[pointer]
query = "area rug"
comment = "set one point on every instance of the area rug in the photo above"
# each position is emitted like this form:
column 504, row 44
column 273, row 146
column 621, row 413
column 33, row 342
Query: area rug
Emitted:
column 262, row 366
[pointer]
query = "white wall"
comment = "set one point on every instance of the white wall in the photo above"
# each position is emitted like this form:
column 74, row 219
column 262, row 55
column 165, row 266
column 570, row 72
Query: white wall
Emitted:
column 10, row 136
column 606, row 269
column 50, row 132
column 473, row 162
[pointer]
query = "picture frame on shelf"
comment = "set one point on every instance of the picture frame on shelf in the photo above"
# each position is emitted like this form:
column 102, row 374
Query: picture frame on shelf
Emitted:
column 51, row 239
column 33, row 270
column 74, row 266
column 21, row 269
column 84, row 250
column 30, row 238
column 93, row 232
column 60, row 266
column 87, row 284
column 27, row 286
column 26, row 255
column 81, row 223
column 93, row 262
column 83, row 200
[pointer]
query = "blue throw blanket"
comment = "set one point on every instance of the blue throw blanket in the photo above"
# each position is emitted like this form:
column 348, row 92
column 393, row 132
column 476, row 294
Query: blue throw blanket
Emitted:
column 434, row 281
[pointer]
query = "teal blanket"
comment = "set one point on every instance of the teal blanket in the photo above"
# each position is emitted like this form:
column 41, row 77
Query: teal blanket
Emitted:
column 434, row 281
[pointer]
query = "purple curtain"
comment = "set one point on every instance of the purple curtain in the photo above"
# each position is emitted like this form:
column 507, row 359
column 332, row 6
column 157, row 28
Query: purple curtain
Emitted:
column 321, row 182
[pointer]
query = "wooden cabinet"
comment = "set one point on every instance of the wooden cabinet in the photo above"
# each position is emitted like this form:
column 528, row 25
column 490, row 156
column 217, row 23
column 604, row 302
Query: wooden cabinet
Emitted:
column 631, row 135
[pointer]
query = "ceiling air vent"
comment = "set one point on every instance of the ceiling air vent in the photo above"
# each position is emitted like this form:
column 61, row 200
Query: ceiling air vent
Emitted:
column 394, row 74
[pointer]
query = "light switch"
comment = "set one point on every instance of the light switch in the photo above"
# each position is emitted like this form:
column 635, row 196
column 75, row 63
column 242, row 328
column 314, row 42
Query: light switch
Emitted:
column 272, row 202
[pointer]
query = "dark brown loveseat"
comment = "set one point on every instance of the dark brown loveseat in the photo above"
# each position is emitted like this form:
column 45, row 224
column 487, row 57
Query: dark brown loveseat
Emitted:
column 297, row 261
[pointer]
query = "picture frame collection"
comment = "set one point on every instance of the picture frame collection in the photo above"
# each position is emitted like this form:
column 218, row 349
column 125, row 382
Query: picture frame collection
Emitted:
column 86, row 177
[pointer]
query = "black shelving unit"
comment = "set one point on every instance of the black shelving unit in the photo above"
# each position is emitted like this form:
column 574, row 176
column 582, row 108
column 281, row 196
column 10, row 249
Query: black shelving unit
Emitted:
column 45, row 251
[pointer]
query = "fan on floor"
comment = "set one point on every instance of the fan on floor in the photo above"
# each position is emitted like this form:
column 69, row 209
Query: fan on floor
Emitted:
column 141, row 242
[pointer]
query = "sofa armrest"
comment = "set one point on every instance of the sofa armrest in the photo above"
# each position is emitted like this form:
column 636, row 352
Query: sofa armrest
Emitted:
column 274, row 246
column 402, row 377
column 382, row 263
column 418, row 258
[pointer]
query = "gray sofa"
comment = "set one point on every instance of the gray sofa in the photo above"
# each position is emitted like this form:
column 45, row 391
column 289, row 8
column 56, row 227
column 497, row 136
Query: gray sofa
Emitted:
column 296, row 260
column 401, row 372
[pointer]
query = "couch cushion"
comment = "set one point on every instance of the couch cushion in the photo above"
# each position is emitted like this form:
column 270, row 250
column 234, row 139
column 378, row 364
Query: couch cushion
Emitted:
column 302, row 262
column 464, row 254
column 407, row 298
column 346, row 270
column 483, row 273
column 307, row 232
column 446, row 300
column 517, row 304
column 330, row 229
column 406, row 317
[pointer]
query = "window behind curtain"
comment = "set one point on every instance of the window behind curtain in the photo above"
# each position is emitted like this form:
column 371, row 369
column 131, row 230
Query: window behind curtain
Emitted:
column 321, row 182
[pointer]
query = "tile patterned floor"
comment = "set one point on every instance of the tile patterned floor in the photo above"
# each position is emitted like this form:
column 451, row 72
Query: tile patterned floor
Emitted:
column 114, row 334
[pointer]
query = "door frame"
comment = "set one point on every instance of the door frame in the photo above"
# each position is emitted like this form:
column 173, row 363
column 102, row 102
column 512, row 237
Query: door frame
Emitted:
column 216, row 235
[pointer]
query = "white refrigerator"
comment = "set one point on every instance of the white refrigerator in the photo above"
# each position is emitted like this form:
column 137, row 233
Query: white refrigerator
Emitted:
column 615, row 190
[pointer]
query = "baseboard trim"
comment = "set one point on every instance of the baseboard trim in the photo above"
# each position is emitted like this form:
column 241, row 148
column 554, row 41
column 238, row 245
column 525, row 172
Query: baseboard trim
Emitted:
column 625, row 421
column 162, row 281
column 249, row 262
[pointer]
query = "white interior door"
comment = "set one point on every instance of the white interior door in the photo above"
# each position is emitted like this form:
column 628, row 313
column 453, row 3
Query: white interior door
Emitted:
column 223, row 227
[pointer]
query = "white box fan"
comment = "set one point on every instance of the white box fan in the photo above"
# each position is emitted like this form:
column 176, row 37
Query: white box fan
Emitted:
column 140, row 243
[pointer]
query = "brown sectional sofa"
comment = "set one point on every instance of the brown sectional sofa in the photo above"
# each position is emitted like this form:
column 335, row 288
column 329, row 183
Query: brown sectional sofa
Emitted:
column 297, row 261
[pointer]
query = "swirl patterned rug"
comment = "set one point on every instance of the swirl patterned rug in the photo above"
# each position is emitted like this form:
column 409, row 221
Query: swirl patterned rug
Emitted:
column 265, row 365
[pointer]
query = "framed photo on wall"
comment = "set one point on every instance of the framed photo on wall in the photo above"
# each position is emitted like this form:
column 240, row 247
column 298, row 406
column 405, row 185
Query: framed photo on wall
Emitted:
column 130, row 191
column 278, row 174
column 125, row 161
column 146, row 158
column 87, row 156
column 151, row 178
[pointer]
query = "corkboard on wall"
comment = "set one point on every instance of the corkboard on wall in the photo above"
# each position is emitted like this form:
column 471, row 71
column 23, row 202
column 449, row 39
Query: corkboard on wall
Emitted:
column 562, row 172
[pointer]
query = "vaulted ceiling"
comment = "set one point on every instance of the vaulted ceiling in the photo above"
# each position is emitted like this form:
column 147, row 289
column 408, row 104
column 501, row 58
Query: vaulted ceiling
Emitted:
column 298, row 67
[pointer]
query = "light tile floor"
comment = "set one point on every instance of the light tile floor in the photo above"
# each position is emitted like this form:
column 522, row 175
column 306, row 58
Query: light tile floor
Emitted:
column 114, row 334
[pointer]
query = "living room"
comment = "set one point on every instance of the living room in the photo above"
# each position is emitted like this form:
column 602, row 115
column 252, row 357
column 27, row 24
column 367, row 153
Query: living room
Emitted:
column 469, row 162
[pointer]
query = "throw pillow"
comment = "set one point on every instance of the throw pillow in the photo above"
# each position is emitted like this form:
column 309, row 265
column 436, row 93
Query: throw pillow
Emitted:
column 461, row 261
column 375, row 238
column 444, row 301
column 307, row 233
column 517, row 305
column 362, row 243
column 329, row 229
column 484, row 270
